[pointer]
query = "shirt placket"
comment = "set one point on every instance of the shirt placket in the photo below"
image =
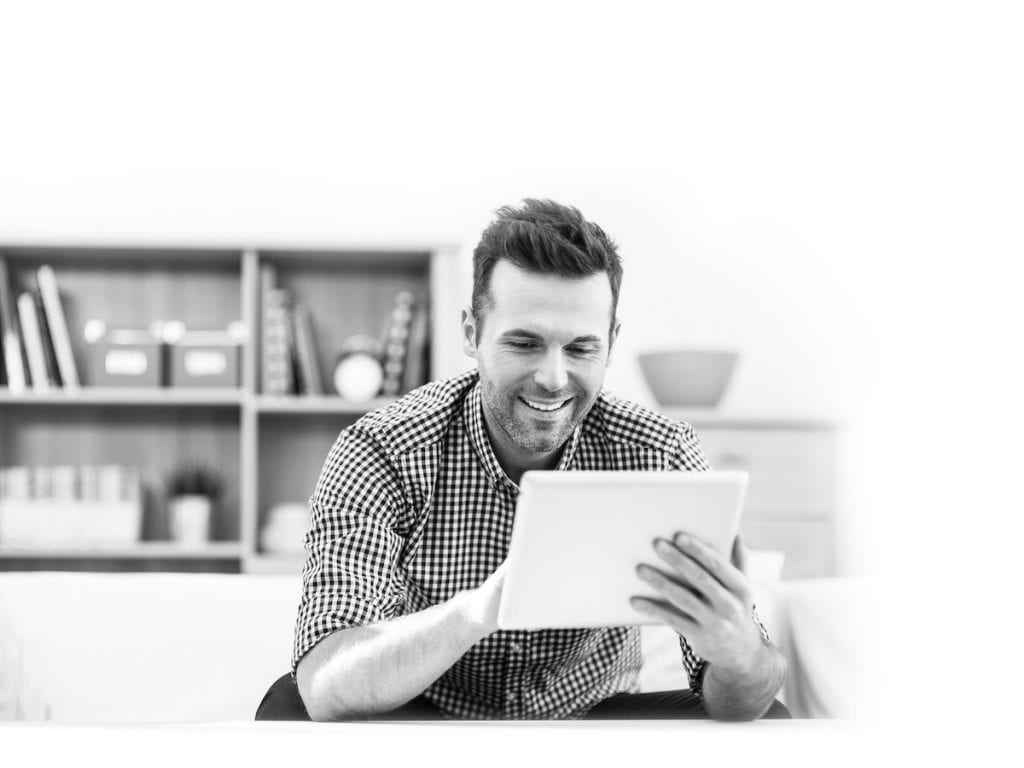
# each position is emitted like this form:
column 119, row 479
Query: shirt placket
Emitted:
column 516, row 659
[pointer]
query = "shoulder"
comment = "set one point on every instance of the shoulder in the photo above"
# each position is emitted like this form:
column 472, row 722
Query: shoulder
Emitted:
column 365, row 464
column 619, row 421
column 418, row 419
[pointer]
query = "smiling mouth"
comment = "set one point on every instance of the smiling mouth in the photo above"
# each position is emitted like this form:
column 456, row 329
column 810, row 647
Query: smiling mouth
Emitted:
column 546, row 407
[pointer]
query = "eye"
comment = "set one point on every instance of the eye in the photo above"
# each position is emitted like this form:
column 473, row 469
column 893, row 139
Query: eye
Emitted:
column 521, row 344
column 578, row 350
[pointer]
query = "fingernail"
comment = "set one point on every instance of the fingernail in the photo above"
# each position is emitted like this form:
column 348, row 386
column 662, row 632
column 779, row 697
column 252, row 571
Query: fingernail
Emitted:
column 663, row 546
column 682, row 539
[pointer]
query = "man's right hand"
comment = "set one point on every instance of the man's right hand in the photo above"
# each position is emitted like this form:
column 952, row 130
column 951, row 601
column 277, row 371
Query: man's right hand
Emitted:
column 481, row 604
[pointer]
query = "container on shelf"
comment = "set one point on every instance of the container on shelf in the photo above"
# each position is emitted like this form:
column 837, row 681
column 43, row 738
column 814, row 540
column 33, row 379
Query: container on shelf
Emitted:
column 285, row 529
column 190, row 519
column 203, row 358
column 123, row 357
column 73, row 509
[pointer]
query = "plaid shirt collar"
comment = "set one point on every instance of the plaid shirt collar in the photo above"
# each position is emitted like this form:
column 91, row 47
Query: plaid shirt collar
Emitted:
column 476, row 427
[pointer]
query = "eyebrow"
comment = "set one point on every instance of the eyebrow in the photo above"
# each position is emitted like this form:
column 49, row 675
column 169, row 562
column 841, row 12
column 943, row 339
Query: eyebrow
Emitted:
column 523, row 333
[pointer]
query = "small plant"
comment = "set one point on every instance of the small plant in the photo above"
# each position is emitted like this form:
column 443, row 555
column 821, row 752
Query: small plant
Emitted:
column 194, row 480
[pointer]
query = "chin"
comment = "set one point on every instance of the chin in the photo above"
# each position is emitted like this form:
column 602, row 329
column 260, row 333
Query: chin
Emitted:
column 542, row 443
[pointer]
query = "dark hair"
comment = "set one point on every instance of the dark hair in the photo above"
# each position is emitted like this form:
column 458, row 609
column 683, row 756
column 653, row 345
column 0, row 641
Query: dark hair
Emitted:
column 545, row 237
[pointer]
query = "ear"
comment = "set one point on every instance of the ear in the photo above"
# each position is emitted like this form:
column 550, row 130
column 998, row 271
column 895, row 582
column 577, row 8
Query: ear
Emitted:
column 469, row 332
column 612, row 337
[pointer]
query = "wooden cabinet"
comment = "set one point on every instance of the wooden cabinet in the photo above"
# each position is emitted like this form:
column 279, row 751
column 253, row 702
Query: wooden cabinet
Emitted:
column 266, row 449
column 791, row 502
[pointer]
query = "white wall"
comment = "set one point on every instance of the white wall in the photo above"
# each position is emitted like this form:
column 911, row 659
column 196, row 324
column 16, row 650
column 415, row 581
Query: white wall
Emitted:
column 703, row 154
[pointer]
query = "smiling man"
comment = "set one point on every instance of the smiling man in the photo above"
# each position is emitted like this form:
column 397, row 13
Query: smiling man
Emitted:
column 413, row 511
column 541, row 358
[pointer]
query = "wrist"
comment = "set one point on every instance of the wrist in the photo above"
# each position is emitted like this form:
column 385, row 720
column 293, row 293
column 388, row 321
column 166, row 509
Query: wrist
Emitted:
column 757, row 651
column 472, row 615
column 747, row 664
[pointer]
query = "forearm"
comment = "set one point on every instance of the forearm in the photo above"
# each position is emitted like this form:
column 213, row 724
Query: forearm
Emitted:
column 376, row 668
column 744, row 694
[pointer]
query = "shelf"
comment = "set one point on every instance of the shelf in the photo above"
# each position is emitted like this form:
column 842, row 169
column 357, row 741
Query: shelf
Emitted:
column 268, row 450
column 126, row 396
column 314, row 404
column 274, row 564
column 146, row 550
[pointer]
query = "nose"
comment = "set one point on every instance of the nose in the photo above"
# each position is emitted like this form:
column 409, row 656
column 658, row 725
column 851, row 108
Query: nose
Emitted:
column 552, row 374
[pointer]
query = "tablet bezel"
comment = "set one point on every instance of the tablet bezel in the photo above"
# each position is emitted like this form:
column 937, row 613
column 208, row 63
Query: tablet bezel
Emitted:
column 558, row 511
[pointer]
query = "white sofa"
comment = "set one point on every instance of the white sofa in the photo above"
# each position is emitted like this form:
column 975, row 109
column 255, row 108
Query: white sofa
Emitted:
column 205, row 647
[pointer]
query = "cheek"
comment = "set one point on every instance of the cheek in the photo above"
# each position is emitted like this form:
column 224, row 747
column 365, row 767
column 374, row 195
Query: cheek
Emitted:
column 502, row 370
column 590, row 374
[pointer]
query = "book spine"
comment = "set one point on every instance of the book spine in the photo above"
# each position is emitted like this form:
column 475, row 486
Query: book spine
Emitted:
column 58, row 327
column 309, row 364
column 52, row 369
column 33, row 341
column 396, row 340
column 268, row 281
column 415, row 372
column 13, row 362
column 277, row 350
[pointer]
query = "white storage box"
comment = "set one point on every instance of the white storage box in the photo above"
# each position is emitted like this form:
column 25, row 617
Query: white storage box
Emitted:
column 46, row 524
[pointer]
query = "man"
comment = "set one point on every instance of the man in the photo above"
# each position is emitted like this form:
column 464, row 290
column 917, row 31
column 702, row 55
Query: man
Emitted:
column 412, row 514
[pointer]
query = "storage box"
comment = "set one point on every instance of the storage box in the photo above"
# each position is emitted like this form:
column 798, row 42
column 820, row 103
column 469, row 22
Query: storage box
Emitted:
column 114, row 364
column 72, row 525
column 203, row 364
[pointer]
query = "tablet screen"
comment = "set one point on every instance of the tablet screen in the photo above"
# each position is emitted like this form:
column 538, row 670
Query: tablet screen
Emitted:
column 578, row 537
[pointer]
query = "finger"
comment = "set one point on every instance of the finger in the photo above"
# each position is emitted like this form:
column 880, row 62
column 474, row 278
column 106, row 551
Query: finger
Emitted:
column 660, row 612
column 689, row 572
column 498, row 576
column 675, row 593
column 716, row 564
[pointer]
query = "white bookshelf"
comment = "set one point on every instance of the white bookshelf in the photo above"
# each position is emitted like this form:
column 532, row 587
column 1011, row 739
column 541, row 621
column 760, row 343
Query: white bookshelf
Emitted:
column 267, row 449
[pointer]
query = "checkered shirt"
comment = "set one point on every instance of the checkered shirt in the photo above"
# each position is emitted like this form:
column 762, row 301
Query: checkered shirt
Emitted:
column 412, row 507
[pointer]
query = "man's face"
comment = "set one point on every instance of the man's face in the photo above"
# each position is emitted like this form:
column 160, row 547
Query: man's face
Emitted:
column 542, row 355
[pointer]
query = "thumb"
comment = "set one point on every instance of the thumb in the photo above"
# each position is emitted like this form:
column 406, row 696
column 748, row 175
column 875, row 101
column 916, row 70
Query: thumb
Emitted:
column 739, row 553
column 498, row 577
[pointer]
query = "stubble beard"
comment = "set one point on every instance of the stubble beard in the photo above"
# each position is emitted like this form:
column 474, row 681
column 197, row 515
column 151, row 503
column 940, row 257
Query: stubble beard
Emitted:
column 502, row 407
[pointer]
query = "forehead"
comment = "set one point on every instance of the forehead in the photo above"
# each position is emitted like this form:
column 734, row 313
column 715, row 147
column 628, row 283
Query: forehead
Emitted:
column 542, row 302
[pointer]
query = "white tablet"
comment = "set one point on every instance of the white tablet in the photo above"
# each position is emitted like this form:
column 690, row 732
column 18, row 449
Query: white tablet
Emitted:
column 578, row 537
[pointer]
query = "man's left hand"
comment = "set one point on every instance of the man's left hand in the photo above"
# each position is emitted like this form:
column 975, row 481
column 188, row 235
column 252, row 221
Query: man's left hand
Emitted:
column 705, row 598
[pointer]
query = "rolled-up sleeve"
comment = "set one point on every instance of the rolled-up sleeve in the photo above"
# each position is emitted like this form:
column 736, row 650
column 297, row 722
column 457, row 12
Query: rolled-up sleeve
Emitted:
column 351, row 575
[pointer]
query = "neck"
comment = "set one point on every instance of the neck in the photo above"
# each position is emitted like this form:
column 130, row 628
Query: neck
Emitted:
column 513, row 460
column 515, row 465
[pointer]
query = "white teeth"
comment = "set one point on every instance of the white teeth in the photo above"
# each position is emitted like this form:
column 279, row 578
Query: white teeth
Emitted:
column 541, row 407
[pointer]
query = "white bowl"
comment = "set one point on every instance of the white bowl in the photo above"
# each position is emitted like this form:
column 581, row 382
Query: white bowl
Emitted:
column 688, row 377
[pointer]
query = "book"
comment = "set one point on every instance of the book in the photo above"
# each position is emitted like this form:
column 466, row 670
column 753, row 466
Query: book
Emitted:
column 278, row 370
column 58, row 327
column 52, row 369
column 307, row 362
column 415, row 369
column 33, row 341
column 270, row 331
column 396, row 343
column 13, row 362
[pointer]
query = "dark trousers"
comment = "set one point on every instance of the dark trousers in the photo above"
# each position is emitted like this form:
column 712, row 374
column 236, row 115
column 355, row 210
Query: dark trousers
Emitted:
column 283, row 702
